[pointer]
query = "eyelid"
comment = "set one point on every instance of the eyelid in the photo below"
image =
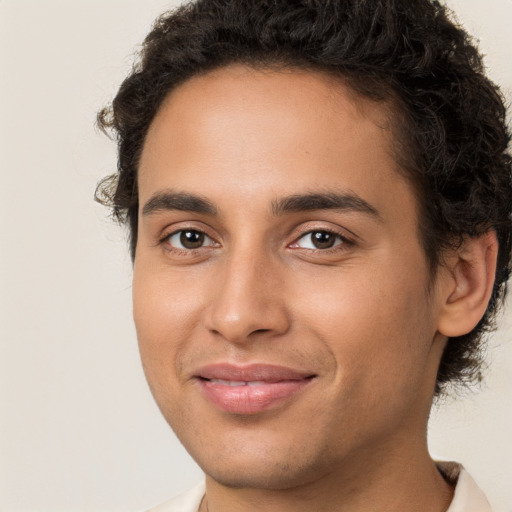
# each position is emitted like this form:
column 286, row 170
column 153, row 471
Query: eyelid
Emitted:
column 341, row 243
column 347, row 237
column 340, row 240
column 174, row 229
column 343, row 233
column 207, row 241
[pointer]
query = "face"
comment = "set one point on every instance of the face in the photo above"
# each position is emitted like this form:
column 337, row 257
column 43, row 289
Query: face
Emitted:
column 282, row 299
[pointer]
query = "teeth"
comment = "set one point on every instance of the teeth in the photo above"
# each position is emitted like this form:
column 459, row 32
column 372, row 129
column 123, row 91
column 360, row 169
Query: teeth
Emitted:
column 232, row 383
column 235, row 383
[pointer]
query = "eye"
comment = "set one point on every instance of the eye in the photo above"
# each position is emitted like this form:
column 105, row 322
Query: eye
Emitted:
column 188, row 239
column 319, row 240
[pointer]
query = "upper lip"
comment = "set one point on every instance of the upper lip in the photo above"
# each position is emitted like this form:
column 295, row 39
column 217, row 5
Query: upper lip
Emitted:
column 253, row 372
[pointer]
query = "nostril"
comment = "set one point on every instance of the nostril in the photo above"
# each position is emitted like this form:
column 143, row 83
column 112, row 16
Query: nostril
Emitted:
column 261, row 331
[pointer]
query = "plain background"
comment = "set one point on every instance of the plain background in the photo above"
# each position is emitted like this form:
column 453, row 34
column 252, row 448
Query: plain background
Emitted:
column 78, row 427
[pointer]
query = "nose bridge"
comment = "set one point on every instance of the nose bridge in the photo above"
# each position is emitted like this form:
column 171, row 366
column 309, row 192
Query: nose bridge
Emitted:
column 247, row 299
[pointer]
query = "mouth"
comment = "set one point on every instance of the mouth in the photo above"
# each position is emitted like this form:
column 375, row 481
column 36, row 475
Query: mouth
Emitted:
column 250, row 389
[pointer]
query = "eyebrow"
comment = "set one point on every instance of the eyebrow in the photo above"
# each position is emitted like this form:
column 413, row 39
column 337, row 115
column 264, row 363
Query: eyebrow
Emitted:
column 324, row 201
column 164, row 201
column 168, row 200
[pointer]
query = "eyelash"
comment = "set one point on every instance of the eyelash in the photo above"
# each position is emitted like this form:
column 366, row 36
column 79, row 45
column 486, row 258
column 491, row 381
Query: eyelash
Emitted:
column 343, row 241
column 165, row 241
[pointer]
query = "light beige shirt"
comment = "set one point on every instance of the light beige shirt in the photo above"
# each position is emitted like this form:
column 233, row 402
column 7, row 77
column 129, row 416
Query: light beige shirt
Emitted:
column 467, row 498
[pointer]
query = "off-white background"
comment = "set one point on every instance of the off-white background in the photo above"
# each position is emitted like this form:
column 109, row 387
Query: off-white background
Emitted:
column 78, row 428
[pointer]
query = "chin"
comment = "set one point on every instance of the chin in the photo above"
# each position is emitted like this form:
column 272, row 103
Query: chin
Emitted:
column 261, row 471
column 271, row 478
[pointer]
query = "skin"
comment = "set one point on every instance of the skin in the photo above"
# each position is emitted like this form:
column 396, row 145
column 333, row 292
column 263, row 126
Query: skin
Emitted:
column 365, row 317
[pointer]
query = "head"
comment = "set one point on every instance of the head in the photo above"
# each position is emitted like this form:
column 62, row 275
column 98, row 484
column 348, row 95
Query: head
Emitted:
column 318, row 195
column 447, row 120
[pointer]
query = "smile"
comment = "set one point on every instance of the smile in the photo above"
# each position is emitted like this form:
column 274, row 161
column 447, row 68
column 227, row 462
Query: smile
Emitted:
column 235, row 383
column 251, row 389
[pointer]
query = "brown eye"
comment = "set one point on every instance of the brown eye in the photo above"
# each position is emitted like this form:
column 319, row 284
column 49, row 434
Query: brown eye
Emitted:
column 189, row 239
column 319, row 240
column 323, row 239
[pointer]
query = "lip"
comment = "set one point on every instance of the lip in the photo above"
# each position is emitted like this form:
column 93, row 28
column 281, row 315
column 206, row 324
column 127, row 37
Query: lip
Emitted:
column 250, row 389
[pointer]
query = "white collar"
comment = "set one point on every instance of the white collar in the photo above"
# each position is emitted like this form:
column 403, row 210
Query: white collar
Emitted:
column 468, row 496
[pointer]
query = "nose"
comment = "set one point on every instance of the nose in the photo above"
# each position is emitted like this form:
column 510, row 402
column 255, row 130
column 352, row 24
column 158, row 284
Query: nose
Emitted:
column 249, row 300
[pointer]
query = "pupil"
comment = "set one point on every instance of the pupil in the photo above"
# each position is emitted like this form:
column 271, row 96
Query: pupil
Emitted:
column 192, row 239
column 323, row 240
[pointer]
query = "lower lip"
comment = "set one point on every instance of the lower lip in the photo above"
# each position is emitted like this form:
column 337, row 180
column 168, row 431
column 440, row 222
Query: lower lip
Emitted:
column 251, row 399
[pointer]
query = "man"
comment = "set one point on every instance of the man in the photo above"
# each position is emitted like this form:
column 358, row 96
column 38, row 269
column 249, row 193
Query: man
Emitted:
column 318, row 194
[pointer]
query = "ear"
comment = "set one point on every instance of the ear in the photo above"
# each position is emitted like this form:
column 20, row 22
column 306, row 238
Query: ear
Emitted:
column 467, row 280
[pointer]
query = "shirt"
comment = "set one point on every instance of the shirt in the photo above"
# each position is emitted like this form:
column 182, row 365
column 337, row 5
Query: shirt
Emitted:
column 467, row 497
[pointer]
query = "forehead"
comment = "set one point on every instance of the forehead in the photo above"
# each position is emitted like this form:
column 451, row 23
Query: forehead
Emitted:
column 246, row 91
column 256, row 131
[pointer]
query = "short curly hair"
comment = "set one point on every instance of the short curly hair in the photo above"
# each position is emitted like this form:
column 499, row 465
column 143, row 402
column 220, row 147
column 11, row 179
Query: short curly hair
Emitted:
column 449, row 124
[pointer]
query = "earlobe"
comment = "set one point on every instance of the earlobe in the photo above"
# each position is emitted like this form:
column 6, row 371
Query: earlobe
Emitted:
column 468, row 281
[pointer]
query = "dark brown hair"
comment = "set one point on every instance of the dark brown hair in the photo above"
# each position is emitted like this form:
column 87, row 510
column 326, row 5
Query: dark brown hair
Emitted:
column 449, row 124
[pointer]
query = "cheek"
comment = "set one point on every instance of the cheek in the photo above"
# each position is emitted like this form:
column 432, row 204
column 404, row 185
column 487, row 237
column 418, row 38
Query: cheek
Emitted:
column 164, row 301
column 165, row 312
column 375, row 324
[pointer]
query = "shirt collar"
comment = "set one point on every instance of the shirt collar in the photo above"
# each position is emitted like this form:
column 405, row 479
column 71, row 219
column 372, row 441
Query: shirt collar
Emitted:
column 468, row 496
